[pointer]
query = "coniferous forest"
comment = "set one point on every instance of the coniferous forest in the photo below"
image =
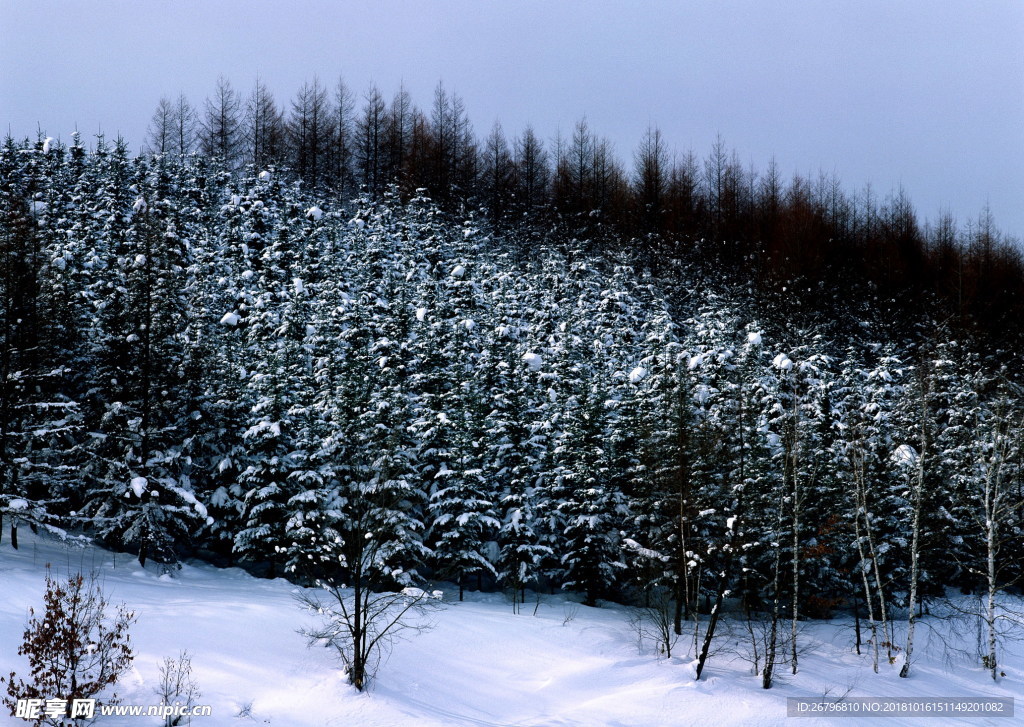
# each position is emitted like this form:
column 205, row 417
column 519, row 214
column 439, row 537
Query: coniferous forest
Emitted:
column 348, row 336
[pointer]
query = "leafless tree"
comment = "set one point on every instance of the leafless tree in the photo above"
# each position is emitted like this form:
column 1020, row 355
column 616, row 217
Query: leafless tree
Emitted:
column 607, row 177
column 308, row 131
column 184, row 126
column 361, row 625
column 650, row 163
column 575, row 168
column 221, row 129
column 531, row 169
column 771, row 630
column 997, row 456
column 916, row 480
column 463, row 159
column 655, row 623
column 684, row 192
column 177, row 685
column 874, row 594
column 398, row 135
column 264, row 127
column 162, row 127
column 369, row 147
column 497, row 172
column 343, row 140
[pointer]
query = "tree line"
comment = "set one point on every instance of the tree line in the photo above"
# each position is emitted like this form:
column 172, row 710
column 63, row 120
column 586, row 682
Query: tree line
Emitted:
column 805, row 233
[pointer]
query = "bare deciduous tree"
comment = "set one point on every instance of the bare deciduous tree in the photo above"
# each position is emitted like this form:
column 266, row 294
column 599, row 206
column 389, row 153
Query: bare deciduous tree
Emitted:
column 222, row 124
column 264, row 127
column 531, row 168
column 651, row 176
column 371, row 128
column 177, row 686
column 656, row 623
column 162, row 128
column 184, row 125
column 309, row 129
column 496, row 172
column 361, row 625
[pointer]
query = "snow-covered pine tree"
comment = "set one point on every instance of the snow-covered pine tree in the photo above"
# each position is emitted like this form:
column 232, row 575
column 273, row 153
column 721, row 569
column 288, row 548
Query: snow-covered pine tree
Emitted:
column 278, row 384
column 224, row 285
column 659, row 501
column 143, row 496
column 587, row 501
column 40, row 420
column 462, row 512
column 514, row 435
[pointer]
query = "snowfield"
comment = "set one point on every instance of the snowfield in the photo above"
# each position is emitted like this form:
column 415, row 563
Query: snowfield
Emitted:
column 480, row 665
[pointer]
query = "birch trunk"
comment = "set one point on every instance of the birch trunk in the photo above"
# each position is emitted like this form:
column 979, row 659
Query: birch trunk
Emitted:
column 914, row 548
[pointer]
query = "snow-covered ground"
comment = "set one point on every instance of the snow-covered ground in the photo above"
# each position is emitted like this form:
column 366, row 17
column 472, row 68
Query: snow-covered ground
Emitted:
column 480, row 664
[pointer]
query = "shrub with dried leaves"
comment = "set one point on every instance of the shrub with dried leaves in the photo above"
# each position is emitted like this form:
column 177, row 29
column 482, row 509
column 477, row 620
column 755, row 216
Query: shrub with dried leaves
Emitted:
column 74, row 649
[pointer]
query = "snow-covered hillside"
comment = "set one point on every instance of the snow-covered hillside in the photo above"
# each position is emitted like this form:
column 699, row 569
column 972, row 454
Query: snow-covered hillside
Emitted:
column 560, row 664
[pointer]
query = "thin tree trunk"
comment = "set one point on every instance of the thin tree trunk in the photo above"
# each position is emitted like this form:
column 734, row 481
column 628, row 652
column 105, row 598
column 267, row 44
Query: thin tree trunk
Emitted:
column 882, row 611
column 709, row 632
column 914, row 551
column 796, row 576
column 992, row 503
column 862, row 508
column 769, row 657
column 856, row 619
column 733, row 528
column 677, row 620
column 357, row 676
column 695, row 611
column 990, row 611
column 795, row 562
column 753, row 641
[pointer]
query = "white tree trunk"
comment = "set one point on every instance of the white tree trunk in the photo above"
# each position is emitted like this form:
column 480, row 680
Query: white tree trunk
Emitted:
column 914, row 548
column 993, row 511
column 990, row 610
column 912, row 606
column 864, row 572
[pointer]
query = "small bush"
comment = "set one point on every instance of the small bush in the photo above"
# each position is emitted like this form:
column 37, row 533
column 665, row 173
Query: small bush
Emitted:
column 74, row 649
column 177, row 686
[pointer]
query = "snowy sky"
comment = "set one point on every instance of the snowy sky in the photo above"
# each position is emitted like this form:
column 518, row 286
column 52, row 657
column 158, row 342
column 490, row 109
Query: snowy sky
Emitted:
column 924, row 93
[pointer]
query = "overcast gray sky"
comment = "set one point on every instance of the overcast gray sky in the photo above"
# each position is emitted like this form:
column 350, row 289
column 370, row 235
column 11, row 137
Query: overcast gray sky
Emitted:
column 924, row 93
